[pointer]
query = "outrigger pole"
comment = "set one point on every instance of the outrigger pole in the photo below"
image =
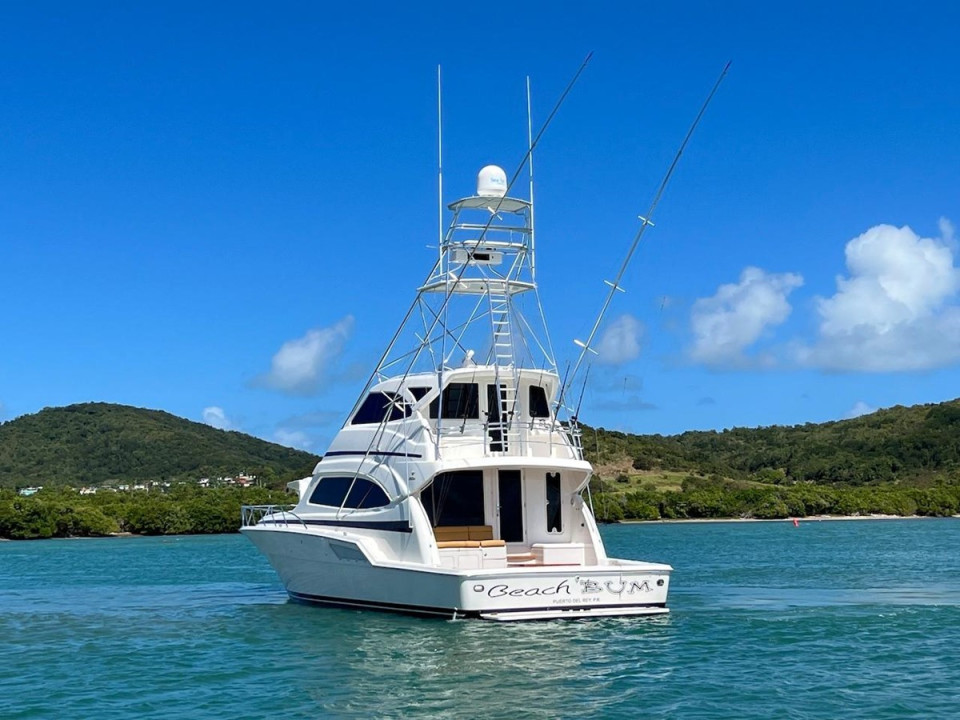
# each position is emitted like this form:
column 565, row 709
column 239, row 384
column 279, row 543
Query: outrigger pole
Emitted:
column 646, row 220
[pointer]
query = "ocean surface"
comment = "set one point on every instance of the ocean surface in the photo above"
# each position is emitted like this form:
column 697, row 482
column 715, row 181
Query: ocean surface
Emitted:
column 831, row 619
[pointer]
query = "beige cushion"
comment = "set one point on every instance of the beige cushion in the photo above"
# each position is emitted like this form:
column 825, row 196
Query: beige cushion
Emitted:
column 456, row 532
column 480, row 532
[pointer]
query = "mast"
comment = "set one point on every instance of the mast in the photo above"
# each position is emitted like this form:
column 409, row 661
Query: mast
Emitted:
column 533, row 243
column 440, row 232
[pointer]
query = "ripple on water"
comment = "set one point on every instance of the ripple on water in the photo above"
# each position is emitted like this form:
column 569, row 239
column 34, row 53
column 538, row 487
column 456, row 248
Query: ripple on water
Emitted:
column 199, row 628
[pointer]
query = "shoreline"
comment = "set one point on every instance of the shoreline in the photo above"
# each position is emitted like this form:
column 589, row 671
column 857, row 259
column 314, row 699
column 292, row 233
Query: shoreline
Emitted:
column 809, row 518
column 671, row 521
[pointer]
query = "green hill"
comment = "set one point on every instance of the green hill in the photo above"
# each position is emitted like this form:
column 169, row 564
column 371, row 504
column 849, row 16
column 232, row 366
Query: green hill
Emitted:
column 918, row 445
column 92, row 443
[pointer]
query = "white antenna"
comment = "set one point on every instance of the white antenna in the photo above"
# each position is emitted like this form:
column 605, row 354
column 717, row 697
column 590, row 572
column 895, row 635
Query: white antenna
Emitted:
column 443, row 340
column 533, row 244
column 439, row 166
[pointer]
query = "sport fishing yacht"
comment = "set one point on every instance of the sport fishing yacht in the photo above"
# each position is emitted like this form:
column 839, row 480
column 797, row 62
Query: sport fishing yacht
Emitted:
column 457, row 486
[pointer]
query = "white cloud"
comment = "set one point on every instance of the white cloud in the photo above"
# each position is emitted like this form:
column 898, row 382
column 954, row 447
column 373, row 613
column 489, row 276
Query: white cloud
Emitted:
column 737, row 315
column 620, row 342
column 297, row 439
column 216, row 417
column 300, row 366
column 319, row 418
column 628, row 403
column 859, row 408
column 947, row 233
column 893, row 312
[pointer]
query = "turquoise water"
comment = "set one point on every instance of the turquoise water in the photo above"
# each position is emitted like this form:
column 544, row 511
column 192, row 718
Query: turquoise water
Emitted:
column 828, row 620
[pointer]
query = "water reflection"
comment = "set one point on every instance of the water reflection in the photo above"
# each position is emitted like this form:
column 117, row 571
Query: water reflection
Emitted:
column 393, row 665
column 846, row 625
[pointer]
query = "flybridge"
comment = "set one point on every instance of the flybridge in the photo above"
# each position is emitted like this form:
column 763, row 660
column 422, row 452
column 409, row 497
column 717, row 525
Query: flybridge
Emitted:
column 488, row 244
column 468, row 312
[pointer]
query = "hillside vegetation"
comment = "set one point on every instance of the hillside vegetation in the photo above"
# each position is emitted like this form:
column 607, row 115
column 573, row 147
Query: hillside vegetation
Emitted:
column 92, row 443
column 899, row 461
column 917, row 445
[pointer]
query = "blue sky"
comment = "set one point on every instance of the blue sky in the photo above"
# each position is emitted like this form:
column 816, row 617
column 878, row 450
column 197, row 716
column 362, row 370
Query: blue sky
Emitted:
column 221, row 210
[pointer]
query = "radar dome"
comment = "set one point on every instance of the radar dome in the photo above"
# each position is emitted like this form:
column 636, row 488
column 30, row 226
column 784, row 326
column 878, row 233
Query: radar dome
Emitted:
column 492, row 182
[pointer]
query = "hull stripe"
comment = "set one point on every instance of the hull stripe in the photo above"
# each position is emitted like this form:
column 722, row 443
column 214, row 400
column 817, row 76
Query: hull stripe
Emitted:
column 425, row 610
column 401, row 526
column 378, row 453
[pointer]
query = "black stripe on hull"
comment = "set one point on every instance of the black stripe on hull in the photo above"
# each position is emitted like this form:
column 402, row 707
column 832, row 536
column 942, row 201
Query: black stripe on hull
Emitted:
column 427, row 611
column 401, row 526
column 376, row 453
column 418, row 610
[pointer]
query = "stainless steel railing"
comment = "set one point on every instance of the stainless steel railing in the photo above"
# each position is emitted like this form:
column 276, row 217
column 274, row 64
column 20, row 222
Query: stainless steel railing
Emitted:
column 251, row 515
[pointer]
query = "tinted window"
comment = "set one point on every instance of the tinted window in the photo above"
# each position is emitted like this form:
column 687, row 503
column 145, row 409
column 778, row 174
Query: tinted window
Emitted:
column 380, row 405
column 455, row 498
column 364, row 494
column 538, row 402
column 419, row 392
column 331, row 491
column 460, row 401
column 554, row 510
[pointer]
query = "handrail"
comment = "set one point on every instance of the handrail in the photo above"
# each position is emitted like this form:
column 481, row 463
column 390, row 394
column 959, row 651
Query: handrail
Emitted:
column 251, row 515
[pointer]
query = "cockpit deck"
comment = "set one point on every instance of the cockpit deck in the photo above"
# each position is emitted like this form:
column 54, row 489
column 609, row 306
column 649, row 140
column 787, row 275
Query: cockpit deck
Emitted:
column 467, row 547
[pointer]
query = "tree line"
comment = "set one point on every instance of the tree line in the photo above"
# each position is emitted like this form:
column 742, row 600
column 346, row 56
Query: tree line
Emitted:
column 907, row 445
column 185, row 510
column 705, row 498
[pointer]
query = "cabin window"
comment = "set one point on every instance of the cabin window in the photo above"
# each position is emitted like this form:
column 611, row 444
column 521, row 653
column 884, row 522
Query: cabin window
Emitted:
column 455, row 498
column 364, row 494
column 539, row 408
column 460, row 402
column 554, row 509
column 419, row 392
column 380, row 406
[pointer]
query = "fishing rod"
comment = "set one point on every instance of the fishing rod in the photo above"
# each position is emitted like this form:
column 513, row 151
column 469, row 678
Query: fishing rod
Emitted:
column 646, row 221
column 583, row 389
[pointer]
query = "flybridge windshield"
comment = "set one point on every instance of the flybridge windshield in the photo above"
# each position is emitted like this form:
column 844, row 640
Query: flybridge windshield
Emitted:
column 460, row 401
column 379, row 407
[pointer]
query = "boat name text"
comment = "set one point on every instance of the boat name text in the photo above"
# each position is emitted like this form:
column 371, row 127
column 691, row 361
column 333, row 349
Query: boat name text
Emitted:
column 587, row 587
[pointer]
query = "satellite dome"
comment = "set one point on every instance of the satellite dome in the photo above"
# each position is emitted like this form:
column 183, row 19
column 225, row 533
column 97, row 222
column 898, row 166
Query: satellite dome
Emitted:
column 492, row 182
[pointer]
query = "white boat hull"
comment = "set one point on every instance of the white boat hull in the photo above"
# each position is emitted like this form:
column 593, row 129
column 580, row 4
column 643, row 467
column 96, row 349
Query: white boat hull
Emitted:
column 333, row 569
